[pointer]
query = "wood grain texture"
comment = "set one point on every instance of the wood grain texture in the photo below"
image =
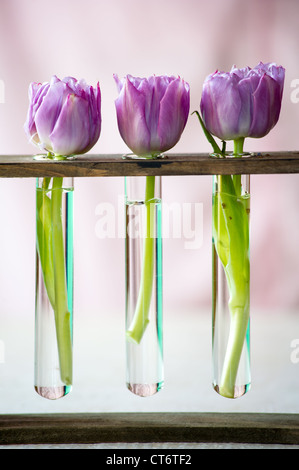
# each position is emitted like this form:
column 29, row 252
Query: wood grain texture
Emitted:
column 150, row 427
column 18, row 166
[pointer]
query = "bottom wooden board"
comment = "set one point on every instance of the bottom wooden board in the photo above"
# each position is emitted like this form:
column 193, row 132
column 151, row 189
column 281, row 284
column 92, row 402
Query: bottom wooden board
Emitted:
column 149, row 427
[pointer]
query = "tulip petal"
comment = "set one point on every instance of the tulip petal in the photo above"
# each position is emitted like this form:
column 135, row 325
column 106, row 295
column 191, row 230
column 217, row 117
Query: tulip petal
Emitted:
column 119, row 82
column 174, row 111
column 71, row 131
column 130, row 107
column 221, row 106
column 49, row 111
column 276, row 72
column 246, row 88
column 37, row 92
column 266, row 107
column 159, row 86
column 95, row 121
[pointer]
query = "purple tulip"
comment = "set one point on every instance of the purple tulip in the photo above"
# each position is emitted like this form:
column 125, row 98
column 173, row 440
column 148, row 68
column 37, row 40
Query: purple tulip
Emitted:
column 151, row 113
column 64, row 116
column 243, row 103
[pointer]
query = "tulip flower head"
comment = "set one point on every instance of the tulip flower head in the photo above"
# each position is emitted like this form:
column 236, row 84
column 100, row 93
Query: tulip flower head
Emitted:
column 64, row 116
column 151, row 113
column 244, row 102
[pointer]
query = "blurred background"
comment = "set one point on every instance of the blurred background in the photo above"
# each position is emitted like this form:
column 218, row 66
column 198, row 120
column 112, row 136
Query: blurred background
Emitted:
column 192, row 38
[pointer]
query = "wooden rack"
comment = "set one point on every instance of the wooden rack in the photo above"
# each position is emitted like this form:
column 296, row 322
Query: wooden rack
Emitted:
column 18, row 166
column 250, row 428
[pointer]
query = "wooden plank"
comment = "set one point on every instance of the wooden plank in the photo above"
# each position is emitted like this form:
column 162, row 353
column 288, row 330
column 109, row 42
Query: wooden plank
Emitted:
column 253, row 428
column 25, row 166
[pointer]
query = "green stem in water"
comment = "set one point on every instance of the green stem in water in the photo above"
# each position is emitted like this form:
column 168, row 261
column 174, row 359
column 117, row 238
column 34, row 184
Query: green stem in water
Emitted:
column 238, row 150
column 231, row 235
column 44, row 238
column 140, row 319
column 231, row 239
column 62, row 314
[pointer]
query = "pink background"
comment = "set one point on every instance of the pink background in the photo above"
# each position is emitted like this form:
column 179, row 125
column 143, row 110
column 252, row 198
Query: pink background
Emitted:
column 191, row 38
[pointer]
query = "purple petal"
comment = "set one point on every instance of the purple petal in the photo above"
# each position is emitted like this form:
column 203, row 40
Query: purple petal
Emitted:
column 119, row 83
column 158, row 88
column 266, row 107
column 241, row 73
column 49, row 111
column 221, row 106
column 95, row 120
column 71, row 133
column 37, row 92
column 246, row 88
column 276, row 72
column 174, row 111
column 130, row 107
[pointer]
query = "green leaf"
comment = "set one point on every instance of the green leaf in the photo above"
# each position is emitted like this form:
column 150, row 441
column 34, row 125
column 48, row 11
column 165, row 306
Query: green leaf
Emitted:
column 209, row 136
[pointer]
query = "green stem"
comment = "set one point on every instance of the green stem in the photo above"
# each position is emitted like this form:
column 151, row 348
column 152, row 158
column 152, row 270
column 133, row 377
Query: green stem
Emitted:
column 44, row 238
column 231, row 239
column 140, row 319
column 62, row 314
column 236, row 339
column 238, row 146
column 237, row 270
column 238, row 150
column 231, row 236
column 209, row 136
